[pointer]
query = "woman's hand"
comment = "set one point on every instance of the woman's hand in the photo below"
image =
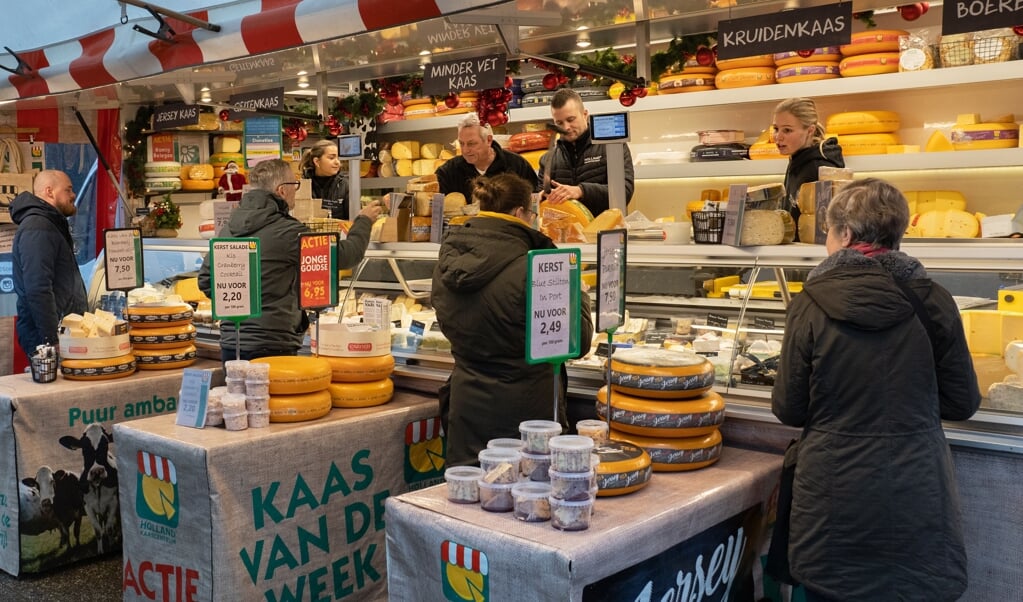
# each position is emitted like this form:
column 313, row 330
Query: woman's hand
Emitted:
column 372, row 210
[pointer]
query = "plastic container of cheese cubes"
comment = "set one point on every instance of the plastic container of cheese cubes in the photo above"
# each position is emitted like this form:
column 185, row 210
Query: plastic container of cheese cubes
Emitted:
column 570, row 453
column 531, row 501
column 463, row 484
column 536, row 434
column 499, row 465
column 570, row 515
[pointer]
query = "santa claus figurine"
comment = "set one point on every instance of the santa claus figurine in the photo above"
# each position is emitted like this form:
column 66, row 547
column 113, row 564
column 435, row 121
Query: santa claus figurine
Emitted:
column 231, row 183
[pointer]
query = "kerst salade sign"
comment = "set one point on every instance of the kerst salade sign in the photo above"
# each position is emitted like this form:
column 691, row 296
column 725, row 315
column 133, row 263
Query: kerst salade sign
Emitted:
column 789, row 30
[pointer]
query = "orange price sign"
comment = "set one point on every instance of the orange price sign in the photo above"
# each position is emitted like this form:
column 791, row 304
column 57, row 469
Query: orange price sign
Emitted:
column 318, row 270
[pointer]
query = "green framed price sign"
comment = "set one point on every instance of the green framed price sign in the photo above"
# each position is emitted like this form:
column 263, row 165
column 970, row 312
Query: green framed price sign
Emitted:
column 235, row 279
column 552, row 305
column 122, row 256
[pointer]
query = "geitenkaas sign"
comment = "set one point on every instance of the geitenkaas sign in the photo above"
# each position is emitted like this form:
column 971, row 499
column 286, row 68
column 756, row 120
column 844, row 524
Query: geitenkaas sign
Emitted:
column 788, row 30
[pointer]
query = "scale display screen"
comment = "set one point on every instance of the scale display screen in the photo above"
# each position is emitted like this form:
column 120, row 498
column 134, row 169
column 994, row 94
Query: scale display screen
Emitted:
column 610, row 127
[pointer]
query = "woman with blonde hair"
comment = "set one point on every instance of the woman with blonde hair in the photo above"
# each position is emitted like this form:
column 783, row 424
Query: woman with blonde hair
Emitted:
column 799, row 135
column 322, row 165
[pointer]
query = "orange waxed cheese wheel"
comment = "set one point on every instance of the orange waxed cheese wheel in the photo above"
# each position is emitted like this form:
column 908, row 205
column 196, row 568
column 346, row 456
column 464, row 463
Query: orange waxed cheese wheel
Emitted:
column 661, row 373
column 359, row 369
column 98, row 369
column 293, row 374
column 361, row 395
column 678, row 453
column 661, row 417
column 299, row 407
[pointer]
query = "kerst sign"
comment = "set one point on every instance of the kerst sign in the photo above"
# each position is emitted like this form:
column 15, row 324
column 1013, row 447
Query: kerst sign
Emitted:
column 477, row 73
column 790, row 30
column 963, row 16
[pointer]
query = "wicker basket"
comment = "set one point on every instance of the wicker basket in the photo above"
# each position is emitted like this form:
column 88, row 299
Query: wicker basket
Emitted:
column 708, row 226
column 325, row 224
column 978, row 50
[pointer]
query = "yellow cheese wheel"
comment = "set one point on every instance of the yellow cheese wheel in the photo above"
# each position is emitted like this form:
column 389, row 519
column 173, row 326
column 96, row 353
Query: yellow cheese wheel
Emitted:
column 764, row 150
column 222, row 159
column 533, row 157
column 624, row 468
column 299, row 406
column 165, row 359
column 981, row 136
column 744, row 77
column 361, row 395
column 807, row 72
column 661, row 373
column 869, row 64
column 201, row 171
column 158, row 315
column 662, row 418
column 101, row 369
column 686, row 82
column 294, row 374
column 759, row 60
column 359, row 369
column 873, row 41
column 938, row 143
column 572, row 207
column 862, row 122
column 166, row 337
column 866, row 144
column 827, row 53
column 198, row 185
column 420, row 111
column 677, row 453
column 411, row 102
column 934, row 200
column 943, row 223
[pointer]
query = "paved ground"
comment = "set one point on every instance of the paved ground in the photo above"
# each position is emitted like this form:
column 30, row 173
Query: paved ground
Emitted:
column 94, row 580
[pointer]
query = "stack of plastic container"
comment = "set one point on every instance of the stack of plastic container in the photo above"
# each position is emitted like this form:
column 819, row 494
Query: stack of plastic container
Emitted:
column 257, row 394
column 573, row 482
column 236, row 415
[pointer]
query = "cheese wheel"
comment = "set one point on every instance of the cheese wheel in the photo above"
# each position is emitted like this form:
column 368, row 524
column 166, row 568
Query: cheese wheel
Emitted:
column 200, row 171
column 827, row 53
column 198, row 185
column 227, row 144
column 166, row 337
column 359, row 369
column 420, row 111
column 807, row 72
column 411, row 102
column 985, row 136
column 101, row 369
column 165, row 184
column 299, row 406
column 862, row 122
column 744, row 77
column 943, row 223
column 758, row 60
column 938, row 143
column 294, row 374
column 873, row 41
column 869, row 64
column 624, row 468
column 222, row 159
column 662, row 418
column 405, row 149
column 764, row 150
column 866, row 144
column 361, row 395
column 572, row 207
column 156, row 315
column 661, row 373
column 165, row 359
column 767, row 227
column 420, row 228
column 678, row 453
column 533, row 157
column 686, row 82
column 162, row 169
column 934, row 200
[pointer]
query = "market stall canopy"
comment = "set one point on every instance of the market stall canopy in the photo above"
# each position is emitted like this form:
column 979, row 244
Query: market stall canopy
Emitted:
column 57, row 46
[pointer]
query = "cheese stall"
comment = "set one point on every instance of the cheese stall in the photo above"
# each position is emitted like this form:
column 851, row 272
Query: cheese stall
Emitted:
column 297, row 508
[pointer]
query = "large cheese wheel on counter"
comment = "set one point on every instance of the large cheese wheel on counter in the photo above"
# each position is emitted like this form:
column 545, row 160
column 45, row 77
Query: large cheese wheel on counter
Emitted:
column 869, row 64
column 300, row 406
column 295, row 374
column 862, row 122
column 101, row 369
column 361, row 394
column 359, row 369
column 158, row 315
column 624, row 468
column 874, row 41
column 162, row 337
column 165, row 359
column 652, row 418
column 661, row 373
column 807, row 72
column 677, row 453
column 744, row 77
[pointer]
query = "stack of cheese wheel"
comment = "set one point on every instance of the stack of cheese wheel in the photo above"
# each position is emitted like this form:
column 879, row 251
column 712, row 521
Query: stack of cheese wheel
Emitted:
column 744, row 72
column 220, row 160
column 864, row 132
column 162, row 176
column 95, row 347
column 418, row 108
column 871, row 52
column 466, row 104
column 661, row 401
column 360, row 363
column 971, row 133
column 197, row 177
column 298, row 387
column 764, row 147
column 820, row 63
column 165, row 332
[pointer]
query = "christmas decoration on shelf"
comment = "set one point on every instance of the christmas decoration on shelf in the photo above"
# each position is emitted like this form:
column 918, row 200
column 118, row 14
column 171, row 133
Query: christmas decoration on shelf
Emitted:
column 912, row 12
column 492, row 104
column 231, row 183
column 698, row 48
column 358, row 108
column 866, row 17
column 135, row 149
column 166, row 214
column 394, row 89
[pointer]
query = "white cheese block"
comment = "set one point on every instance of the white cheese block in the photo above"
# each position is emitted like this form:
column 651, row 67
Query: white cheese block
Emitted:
column 404, row 167
column 430, row 150
column 405, row 149
column 422, row 167
column 227, row 144
column 767, row 227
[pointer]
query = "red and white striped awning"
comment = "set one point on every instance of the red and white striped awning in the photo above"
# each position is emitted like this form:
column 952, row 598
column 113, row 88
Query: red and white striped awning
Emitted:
column 248, row 27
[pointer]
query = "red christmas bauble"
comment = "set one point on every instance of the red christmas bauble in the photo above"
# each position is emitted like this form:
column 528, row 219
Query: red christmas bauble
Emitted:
column 451, row 100
column 550, row 81
column 301, row 134
column 639, row 92
column 627, row 98
column 508, row 82
column 704, row 57
column 224, row 115
column 1018, row 30
column 805, row 53
column 507, row 96
column 562, row 79
column 334, row 129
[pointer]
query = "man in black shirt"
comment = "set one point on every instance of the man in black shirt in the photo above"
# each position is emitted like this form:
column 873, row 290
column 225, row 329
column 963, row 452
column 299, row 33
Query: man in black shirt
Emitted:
column 481, row 156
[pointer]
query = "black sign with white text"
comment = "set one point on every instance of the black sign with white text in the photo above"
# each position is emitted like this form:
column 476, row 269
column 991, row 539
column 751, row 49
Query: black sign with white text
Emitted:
column 173, row 116
column 785, row 31
column 477, row 73
column 256, row 101
column 964, row 16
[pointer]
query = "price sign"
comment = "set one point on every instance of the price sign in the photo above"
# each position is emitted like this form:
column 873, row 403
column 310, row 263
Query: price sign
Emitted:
column 234, row 278
column 318, row 271
column 611, row 248
column 222, row 213
column 122, row 257
column 195, row 389
column 552, row 305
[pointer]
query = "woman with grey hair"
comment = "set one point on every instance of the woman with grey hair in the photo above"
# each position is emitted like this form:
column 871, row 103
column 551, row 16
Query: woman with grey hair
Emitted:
column 874, row 358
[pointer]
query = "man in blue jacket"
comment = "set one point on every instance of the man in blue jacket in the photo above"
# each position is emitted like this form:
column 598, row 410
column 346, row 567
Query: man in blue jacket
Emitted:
column 46, row 277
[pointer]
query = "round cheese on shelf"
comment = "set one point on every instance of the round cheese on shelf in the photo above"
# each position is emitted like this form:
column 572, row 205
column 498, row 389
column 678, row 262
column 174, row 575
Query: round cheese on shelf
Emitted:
column 685, row 82
column 862, row 122
column 873, row 41
column 299, row 407
column 165, row 184
column 679, row 453
column 827, row 53
column 158, row 315
column 222, row 159
column 981, row 136
column 624, row 468
column 807, row 72
column 360, row 369
column 198, row 185
column 652, row 418
column 294, row 374
column 869, row 64
column 660, row 373
column 162, row 169
column 350, row 340
column 758, row 60
column 744, row 77
column 165, row 359
column 361, row 394
column 162, row 337
column 866, row 144
column 101, row 369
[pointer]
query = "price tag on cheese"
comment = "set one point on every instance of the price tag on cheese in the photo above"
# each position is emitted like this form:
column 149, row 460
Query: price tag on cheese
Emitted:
column 235, row 278
column 195, row 389
column 222, row 213
column 122, row 257
column 611, row 248
column 318, row 270
column 552, row 305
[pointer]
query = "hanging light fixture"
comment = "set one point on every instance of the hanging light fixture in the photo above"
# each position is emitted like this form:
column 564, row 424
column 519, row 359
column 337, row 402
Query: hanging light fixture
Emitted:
column 303, row 82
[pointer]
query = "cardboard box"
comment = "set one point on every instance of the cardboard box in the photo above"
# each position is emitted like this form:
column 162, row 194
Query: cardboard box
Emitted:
column 398, row 227
column 11, row 185
column 995, row 226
